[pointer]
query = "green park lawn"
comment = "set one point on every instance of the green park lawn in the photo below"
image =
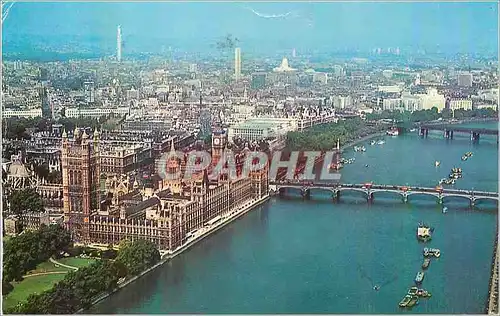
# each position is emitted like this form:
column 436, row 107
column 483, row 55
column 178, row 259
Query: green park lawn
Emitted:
column 48, row 266
column 30, row 285
column 40, row 283
column 75, row 262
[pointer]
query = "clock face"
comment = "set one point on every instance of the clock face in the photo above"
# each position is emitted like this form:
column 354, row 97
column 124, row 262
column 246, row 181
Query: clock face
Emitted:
column 216, row 141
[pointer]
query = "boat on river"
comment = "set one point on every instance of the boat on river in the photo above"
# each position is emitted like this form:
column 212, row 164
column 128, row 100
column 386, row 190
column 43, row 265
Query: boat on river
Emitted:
column 380, row 142
column 336, row 166
column 409, row 301
column 405, row 301
column 413, row 291
column 428, row 252
column 423, row 293
column 424, row 233
column 393, row 132
column 437, row 163
column 419, row 277
column 426, row 263
column 447, row 181
column 359, row 148
column 347, row 161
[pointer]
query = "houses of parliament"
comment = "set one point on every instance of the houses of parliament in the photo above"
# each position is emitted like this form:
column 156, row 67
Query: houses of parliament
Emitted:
column 106, row 211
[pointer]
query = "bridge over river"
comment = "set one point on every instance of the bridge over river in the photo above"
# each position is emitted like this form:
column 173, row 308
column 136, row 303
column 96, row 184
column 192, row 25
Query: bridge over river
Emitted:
column 369, row 190
column 449, row 130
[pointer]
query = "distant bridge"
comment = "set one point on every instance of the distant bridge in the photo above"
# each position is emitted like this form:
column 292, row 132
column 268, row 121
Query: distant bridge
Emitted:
column 369, row 190
column 449, row 130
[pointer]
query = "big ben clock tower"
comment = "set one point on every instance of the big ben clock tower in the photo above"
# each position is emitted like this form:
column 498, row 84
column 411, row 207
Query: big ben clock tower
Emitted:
column 219, row 141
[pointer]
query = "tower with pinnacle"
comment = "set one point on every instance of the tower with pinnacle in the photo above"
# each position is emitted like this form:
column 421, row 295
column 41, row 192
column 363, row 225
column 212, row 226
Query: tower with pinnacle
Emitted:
column 80, row 175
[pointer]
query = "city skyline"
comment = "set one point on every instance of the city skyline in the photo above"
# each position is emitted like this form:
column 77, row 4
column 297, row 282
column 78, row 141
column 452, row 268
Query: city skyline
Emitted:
column 151, row 27
column 290, row 147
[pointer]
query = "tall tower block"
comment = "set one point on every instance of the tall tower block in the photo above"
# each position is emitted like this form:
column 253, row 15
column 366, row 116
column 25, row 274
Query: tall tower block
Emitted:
column 119, row 43
column 237, row 63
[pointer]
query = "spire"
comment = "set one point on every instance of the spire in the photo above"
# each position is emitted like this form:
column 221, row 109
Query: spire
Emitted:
column 64, row 134
column 85, row 135
column 96, row 133
column 76, row 133
column 338, row 143
column 172, row 147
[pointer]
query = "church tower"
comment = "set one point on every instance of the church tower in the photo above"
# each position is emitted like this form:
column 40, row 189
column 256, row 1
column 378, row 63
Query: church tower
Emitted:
column 81, row 176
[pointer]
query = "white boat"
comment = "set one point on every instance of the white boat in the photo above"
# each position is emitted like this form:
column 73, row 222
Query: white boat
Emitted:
column 381, row 142
column 437, row 163
column 393, row 132
column 413, row 130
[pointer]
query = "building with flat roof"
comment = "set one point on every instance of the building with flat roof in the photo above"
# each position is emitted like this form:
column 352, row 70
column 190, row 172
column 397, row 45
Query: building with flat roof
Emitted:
column 461, row 104
column 255, row 130
column 96, row 112
column 464, row 79
column 22, row 113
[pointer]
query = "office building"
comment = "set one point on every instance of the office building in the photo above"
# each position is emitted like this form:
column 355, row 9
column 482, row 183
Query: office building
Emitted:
column 89, row 91
column 461, row 104
column 320, row 77
column 237, row 63
column 258, row 80
column 433, row 99
column 119, row 44
column 464, row 79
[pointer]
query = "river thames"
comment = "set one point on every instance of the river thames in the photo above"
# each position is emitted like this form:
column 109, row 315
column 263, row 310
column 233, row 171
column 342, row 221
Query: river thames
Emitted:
column 316, row 256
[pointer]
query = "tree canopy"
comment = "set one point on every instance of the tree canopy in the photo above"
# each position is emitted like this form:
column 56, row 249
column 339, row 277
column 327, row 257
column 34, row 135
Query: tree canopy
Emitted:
column 431, row 114
column 22, row 253
column 79, row 288
column 138, row 255
column 324, row 137
column 76, row 291
column 26, row 200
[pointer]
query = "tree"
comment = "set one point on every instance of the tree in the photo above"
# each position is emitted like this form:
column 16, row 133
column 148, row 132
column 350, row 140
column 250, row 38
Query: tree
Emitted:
column 27, row 200
column 77, row 290
column 446, row 113
column 22, row 253
column 42, row 170
column 324, row 137
column 137, row 256
column 6, row 287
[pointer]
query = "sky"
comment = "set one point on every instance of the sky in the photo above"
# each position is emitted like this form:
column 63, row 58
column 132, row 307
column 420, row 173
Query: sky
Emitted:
column 459, row 26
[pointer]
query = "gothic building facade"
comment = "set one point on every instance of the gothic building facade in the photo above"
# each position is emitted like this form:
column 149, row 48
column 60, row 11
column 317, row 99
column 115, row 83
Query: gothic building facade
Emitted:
column 166, row 216
column 80, row 175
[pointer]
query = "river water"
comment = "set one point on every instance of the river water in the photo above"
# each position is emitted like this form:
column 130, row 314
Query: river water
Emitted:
column 316, row 256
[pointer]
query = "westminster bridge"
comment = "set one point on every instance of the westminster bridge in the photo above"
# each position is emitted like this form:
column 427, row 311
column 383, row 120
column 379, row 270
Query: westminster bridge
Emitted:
column 369, row 190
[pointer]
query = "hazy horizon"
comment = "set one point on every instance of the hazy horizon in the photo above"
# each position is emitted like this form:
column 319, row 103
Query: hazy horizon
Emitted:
column 196, row 26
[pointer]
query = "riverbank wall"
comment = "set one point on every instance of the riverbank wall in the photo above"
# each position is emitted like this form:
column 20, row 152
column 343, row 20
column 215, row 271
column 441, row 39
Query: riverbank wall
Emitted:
column 492, row 303
column 167, row 257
